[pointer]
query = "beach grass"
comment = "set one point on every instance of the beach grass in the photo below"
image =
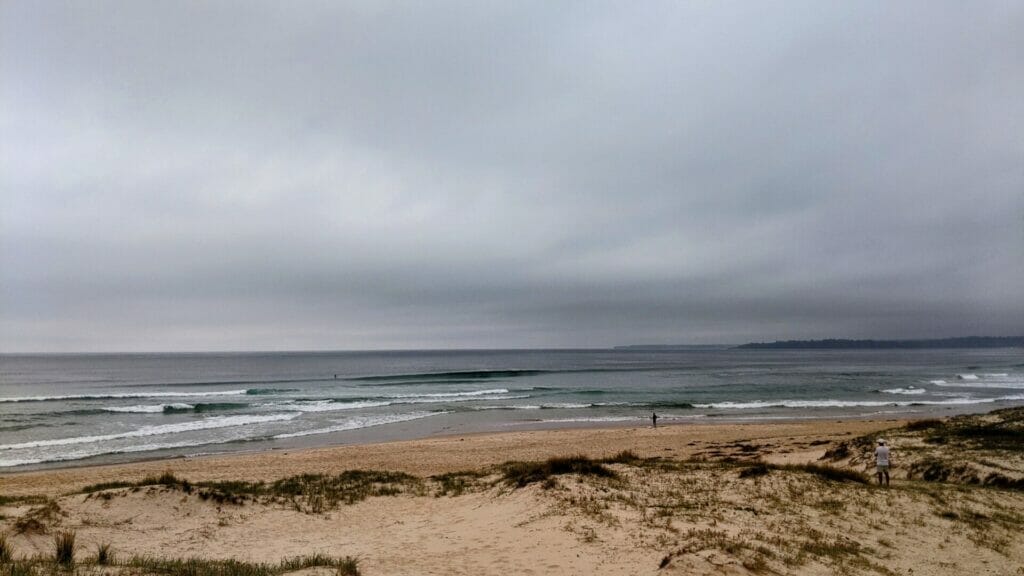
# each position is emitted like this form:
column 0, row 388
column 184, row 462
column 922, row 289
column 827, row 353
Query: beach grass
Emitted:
column 521, row 474
column 152, row 566
column 104, row 555
column 307, row 492
column 38, row 518
column 64, row 548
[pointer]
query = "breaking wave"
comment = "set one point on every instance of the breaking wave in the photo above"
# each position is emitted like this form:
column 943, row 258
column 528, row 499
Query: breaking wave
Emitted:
column 162, row 429
column 907, row 390
column 359, row 422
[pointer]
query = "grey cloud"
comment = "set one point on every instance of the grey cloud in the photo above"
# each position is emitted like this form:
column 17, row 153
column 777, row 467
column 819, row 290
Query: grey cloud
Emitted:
column 365, row 175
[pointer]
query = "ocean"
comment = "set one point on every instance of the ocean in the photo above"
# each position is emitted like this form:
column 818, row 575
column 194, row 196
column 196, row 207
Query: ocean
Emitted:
column 61, row 410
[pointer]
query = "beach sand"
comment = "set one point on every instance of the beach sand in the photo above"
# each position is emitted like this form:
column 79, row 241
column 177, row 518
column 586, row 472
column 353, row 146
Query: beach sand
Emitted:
column 693, row 502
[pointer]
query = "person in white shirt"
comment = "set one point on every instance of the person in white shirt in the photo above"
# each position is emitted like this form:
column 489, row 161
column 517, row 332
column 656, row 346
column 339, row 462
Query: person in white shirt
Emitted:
column 882, row 461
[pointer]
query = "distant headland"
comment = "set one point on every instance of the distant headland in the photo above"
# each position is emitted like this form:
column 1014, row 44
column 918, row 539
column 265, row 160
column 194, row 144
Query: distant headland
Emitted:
column 844, row 344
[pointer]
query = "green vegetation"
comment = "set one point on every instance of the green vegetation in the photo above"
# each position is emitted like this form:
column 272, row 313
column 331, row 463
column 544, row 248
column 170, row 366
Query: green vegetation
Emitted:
column 36, row 520
column 64, row 548
column 103, row 554
column 308, row 492
column 923, row 424
column 202, row 567
column 148, row 566
column 830, row 473
column 755, row 470
column 984, row 436
column 520, row 474
column 457, row 483
column 21, row 500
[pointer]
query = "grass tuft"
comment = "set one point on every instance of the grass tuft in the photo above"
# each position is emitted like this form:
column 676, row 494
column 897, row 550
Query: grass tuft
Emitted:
column 201, row 567
column 758, row 469
column 456, row 483
column 624, row 457
column 35, row 521
column 923, row 424
column 64, row 548
column 520, row 474
column 311, row 492
column 100, row 487
column 6, row 554
column 103, row 554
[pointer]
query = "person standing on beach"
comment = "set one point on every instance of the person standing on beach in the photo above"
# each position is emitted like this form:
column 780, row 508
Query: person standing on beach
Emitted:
column 654, row 419
column 882, row 461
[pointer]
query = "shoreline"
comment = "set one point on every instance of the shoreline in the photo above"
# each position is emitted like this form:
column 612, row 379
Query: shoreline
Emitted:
column 796, row 498
column 365, row 436
column 441, row 454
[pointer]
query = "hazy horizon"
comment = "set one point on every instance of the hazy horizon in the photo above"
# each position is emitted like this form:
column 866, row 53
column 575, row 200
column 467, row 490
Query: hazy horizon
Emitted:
column 399, row 176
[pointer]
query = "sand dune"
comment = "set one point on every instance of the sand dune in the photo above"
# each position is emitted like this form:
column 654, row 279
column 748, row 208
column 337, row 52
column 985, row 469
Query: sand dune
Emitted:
column 691, row 500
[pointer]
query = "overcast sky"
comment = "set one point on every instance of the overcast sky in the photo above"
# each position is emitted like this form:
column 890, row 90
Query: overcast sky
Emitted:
column 359, row 175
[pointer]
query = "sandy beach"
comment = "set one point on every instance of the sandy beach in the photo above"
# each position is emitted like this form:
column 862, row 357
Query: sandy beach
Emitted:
column 686, row 499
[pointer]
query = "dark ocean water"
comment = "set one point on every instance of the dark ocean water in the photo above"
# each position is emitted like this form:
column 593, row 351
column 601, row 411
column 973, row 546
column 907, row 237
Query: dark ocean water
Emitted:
column 73, row 409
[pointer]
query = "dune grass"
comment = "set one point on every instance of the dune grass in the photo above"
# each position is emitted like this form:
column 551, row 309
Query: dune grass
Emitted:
column 521, row 474
column 830, row 473
column 151, row 566
column 64, row 548
column 5, row 549
column 103, row 554
column 308, row 492
column 36, row 520
column 346, row 566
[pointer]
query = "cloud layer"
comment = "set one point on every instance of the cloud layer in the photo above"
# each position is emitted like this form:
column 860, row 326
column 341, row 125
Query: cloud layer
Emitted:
column 323, row 175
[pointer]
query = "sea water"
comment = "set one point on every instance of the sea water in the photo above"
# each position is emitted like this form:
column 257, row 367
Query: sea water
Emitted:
column 60, row 410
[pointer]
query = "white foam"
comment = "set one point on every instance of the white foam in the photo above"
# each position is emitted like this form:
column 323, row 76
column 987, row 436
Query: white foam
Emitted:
column 148, row 408
column 123, row 395
column 908, row 390
column 852, row 403
column 937, row 382
column 565, row 405
column 878, row 412
column 358, row 422
column 451, row 394
column 967, row 376
column 204, row 424
column 599, row 419
column 1009, row 384
column 87, row 452
column 331, row 406
column 448, row 400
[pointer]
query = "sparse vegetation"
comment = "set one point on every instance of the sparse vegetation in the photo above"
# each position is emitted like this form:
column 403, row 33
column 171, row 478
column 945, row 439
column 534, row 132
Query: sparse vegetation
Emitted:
column 457, row 483
column 308, row 492
column 64, row 548
column 202, row 567
column 38, row 519
column 764, row 517
column 6, row 555
column 21, row 500
column 830, row 473
column 520, row 474
column 148, row 566
column 923, row 424
column 755, row 470
column 103, row 554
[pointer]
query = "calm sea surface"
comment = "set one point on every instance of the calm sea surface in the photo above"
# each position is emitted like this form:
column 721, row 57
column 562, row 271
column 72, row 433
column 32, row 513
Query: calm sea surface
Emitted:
column 57, row 410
